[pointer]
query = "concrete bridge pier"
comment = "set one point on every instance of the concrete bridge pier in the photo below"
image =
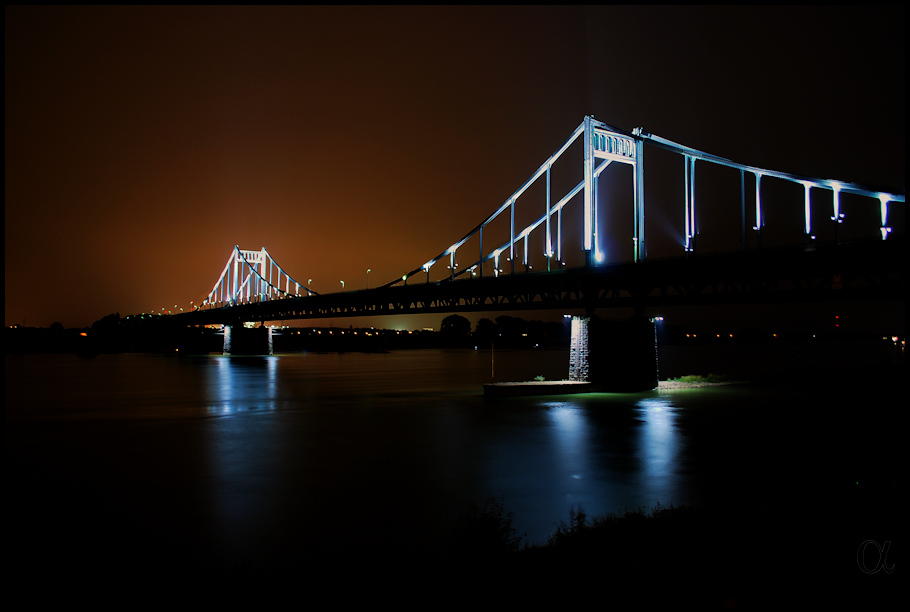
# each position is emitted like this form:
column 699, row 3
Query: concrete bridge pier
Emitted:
column 617, row 356
column 240, row 340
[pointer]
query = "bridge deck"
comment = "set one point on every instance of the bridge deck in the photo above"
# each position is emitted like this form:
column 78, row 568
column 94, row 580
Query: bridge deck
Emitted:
column 858, row 271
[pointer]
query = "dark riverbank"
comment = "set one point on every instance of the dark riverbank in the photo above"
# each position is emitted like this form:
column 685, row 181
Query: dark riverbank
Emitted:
column 739, row 354
column 161, row 334
column 745, row 556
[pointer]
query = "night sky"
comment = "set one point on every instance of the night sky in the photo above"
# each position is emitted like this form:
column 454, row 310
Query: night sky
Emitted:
column 142, row 144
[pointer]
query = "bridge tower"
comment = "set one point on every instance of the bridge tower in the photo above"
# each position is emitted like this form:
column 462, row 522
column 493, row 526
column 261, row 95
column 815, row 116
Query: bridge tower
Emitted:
column 608, row 144
column 248, row 278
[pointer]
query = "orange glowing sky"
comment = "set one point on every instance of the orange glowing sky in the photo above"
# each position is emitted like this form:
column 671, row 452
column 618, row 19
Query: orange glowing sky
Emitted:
column 142, row 144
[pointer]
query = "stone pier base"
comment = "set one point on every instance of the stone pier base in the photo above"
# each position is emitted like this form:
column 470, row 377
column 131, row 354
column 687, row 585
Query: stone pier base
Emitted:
column 616, row 356
column 240, row 340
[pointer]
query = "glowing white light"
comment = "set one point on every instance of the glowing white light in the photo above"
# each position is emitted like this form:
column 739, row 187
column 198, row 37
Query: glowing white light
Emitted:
column 884, row 198
column 837, row 216
column 808, row 207
column 758, row 219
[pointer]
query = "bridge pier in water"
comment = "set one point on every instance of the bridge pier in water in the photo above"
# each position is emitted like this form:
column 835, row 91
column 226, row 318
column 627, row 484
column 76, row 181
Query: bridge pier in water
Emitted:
column 240, row 340
column 616, row 356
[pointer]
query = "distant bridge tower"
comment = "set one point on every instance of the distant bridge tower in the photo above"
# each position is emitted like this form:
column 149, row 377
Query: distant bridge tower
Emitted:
column 252, row 276
column 249, row 277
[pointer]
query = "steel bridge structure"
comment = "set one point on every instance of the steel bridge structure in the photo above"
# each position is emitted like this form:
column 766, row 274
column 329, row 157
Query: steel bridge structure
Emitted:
column 253, row 287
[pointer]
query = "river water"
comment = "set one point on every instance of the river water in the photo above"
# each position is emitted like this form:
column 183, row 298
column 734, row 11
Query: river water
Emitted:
column 228, row 462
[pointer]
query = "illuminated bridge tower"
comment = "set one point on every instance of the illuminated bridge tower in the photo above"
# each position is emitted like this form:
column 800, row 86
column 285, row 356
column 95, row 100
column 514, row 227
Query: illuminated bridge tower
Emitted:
column 249, row 278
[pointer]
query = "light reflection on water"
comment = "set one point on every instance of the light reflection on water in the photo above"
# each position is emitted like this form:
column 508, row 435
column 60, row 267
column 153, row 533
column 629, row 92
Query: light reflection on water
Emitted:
column 608, row 453
column 659, row 449
column 242, row 384
column 569, row 429
column 237, row 462
column 361, row 439
column 542, row 456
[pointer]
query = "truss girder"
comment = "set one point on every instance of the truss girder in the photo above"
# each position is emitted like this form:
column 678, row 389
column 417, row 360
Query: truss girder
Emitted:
column 862, row 271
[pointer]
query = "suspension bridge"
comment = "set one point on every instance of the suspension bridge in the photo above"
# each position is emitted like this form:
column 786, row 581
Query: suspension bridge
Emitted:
column 254, row 287
column 500, row 276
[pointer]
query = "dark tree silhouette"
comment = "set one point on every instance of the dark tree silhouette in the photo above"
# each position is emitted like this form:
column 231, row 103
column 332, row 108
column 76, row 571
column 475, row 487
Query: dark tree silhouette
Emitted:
column 485, row 333
column 455, row 330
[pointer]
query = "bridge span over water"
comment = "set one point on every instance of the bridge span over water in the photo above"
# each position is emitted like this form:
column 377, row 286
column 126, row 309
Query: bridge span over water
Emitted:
column 498, row 274
column 490, row 267
column 872, row 270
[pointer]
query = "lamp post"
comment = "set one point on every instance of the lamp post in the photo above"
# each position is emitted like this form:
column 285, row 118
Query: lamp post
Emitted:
column 655, row 321
column 368, row 278
column 342, row 285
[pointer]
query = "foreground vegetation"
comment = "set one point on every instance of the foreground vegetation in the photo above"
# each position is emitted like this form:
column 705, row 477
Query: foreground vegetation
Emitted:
column 488, row 531
column 694, row 379
column 677, row 555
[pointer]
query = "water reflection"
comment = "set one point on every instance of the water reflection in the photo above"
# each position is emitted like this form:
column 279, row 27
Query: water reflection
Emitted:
column 241, row 486
column 600, row 452
column 607, row 453
column 658, row 449
column 570, row 437
column 242, row 384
